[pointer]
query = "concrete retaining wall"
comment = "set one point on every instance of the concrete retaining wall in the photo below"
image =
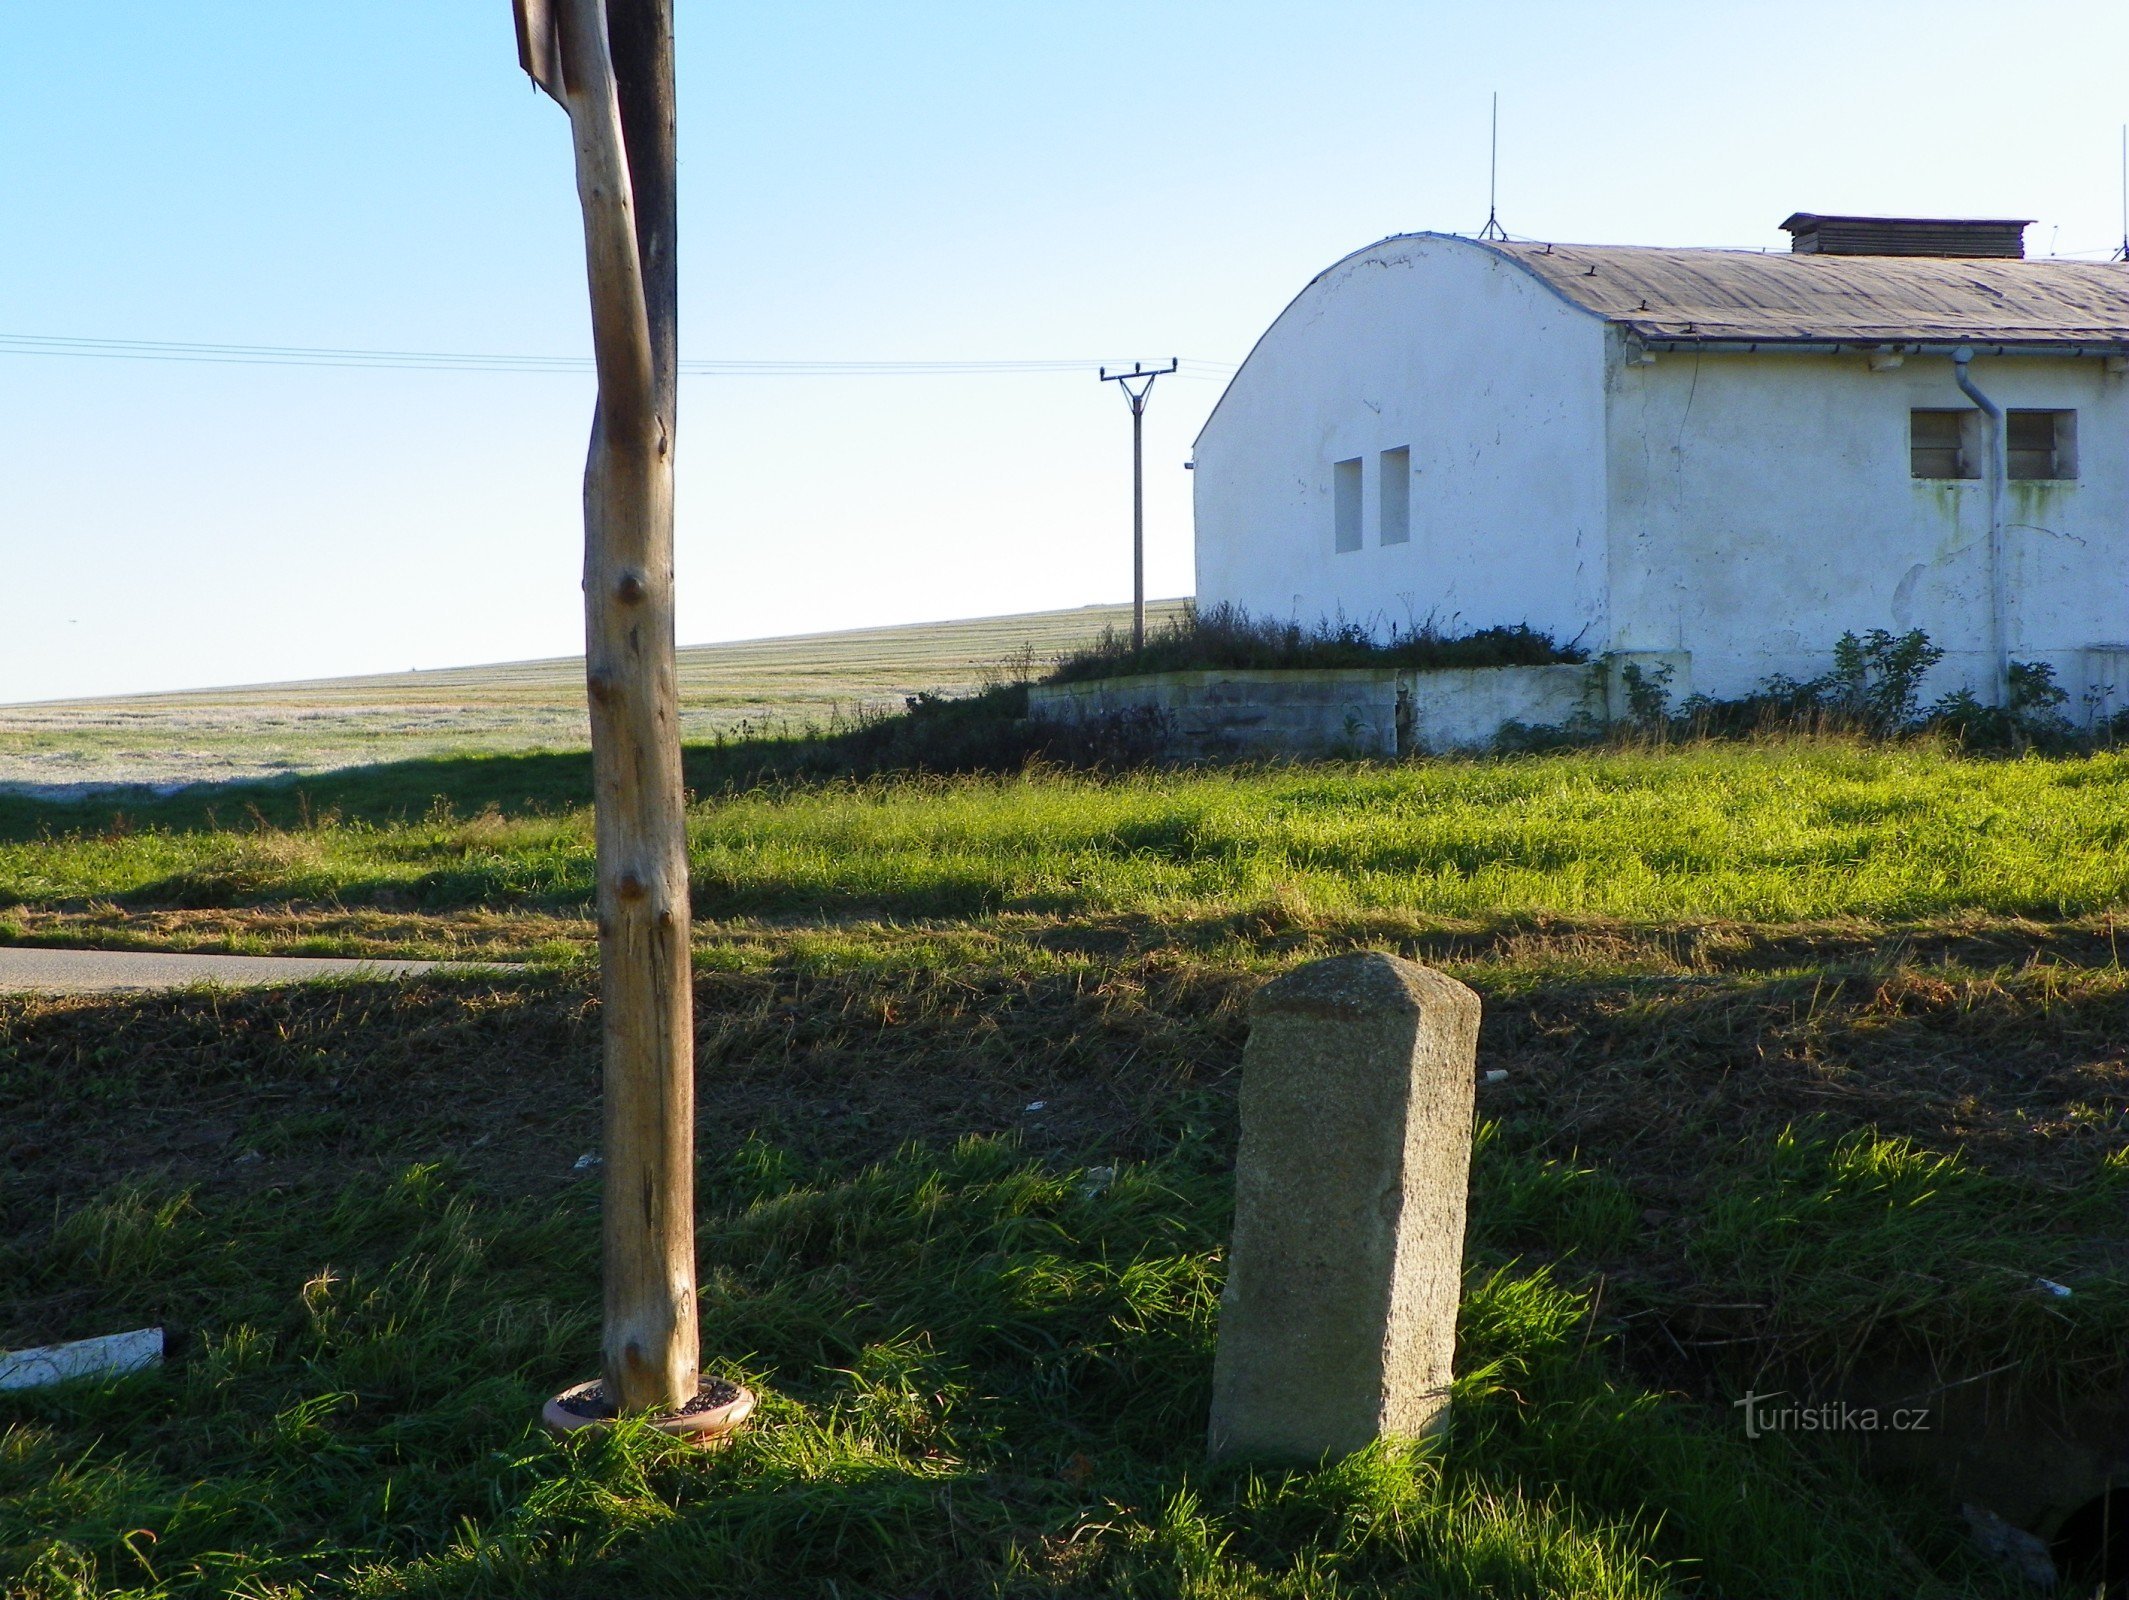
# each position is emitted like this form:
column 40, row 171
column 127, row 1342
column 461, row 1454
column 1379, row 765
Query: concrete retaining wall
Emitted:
column 1364, row 711
column 1312, row 712
column 1464, row 710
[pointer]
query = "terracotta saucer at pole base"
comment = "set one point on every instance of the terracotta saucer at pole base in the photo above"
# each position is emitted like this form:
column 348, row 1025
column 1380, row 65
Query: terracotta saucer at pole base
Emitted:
column 720, row 1408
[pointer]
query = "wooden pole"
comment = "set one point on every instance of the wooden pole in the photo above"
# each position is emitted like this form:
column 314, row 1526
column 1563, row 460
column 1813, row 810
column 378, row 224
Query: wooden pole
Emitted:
column 640, row 35
column 1138, row 525
column 616, row 81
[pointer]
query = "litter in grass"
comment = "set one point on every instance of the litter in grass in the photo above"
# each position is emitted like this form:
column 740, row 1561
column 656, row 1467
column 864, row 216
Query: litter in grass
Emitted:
column 1096, row 1182
column 111, row 1356
column 1038, row 1105
column 1497, row 1075
column 2060, row 1291
column 586, row 1162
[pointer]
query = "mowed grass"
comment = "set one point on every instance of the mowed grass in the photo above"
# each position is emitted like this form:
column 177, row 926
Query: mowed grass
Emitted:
column 745, row 688
column 1770, row 833
column 1815, row 1065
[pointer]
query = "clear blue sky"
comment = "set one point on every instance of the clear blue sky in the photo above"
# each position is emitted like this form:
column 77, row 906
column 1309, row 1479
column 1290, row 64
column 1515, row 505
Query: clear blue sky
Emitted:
column 923, row 180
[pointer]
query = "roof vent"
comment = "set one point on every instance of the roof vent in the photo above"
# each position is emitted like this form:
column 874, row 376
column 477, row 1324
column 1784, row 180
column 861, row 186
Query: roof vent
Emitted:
column 1810, row 234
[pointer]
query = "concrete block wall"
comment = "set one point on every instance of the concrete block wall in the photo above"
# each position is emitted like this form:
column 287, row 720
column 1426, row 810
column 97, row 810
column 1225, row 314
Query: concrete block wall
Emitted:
column 1466, row 708
column 1376, row 712
column 1303, row 712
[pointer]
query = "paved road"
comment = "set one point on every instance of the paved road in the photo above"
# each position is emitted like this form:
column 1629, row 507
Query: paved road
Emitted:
column 94, row 971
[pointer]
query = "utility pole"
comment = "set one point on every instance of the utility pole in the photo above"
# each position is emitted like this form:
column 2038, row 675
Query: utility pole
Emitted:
column 609, row 64
column 1136, row 398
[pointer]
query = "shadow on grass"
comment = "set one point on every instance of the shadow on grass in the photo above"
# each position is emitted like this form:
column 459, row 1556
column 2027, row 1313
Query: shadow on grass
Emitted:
column 844, row 1049
column 980, row 1375
column 534, row 782
column 986, row 732
column 985, row 1368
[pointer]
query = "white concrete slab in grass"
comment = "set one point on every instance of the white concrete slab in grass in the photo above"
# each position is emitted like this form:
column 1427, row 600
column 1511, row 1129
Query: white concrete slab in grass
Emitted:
column 43, row 971
column 110, row 1356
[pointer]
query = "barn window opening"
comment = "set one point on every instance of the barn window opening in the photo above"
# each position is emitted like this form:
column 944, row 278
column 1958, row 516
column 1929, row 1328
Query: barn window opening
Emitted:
column 1345, row 503
column 2041, row 444
column 1396, row 487
column 1942, row 444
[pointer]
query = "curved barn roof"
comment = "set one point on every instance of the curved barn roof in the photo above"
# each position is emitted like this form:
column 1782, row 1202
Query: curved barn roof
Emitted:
column 1753, row 297
column 1726, row 295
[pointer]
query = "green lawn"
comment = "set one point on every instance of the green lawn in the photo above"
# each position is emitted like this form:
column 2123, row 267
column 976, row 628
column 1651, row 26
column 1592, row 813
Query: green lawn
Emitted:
column 1771, row 833
column 979, row 1377
column 1815, row 1066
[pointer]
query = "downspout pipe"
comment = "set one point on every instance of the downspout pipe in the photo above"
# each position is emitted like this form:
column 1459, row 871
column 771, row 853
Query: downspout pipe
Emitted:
column 1998, row 471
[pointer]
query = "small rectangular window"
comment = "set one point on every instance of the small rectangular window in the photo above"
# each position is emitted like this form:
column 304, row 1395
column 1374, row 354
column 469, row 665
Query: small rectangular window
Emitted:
column 2040, row 444
column 1396, row 487
column 1345, row 503
column 1942, row 444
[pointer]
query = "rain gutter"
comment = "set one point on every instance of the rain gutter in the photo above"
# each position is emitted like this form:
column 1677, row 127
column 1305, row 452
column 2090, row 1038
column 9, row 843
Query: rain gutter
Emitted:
column 1998, row 471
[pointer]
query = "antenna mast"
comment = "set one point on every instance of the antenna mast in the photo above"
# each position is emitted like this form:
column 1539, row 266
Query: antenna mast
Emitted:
column 1493, row 228
column 2123, row 253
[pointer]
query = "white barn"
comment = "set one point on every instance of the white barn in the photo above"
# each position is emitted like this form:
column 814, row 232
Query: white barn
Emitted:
column 1727, row 456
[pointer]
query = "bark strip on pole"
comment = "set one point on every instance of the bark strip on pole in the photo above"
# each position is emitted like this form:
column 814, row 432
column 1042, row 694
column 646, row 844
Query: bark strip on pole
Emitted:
column 650, row 1352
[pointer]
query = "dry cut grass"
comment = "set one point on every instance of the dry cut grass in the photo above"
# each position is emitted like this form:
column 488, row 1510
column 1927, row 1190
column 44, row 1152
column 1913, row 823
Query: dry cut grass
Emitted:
column 727, row 690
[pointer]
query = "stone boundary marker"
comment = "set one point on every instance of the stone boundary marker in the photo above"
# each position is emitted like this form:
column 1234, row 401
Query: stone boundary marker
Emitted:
column 1338, row 1324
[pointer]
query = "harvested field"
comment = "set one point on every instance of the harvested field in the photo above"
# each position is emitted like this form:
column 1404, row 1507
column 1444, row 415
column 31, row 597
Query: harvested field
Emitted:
column 65, row 748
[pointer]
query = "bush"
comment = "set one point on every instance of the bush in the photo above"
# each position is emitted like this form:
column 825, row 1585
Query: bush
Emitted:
column 1230, row 639
column 2032, row 717
column 1878, row 678
column 938, row 734
column 1875, row 689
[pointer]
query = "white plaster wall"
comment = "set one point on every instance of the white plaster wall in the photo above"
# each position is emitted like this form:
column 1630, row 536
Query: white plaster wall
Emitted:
column 1497, row 386
column 1762, row 504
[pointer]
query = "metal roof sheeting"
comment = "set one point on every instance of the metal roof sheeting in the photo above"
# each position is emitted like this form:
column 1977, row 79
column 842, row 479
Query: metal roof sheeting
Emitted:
column 1813, row 234
column 1709, row 296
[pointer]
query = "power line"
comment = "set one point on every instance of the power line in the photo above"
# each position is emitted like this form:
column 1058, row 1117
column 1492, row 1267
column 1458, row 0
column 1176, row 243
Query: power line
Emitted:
column 32, row 344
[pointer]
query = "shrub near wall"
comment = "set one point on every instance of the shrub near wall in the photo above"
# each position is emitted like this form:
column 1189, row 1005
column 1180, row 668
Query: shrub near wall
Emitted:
column 1225, row 684
column 1225, row 639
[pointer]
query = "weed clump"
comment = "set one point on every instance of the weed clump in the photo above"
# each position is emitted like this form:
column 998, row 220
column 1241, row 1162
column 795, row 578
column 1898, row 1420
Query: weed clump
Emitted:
column 1227, row 638
column 1872, row 691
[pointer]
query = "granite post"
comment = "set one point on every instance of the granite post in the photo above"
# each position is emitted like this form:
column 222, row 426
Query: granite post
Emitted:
column 1338, row 1324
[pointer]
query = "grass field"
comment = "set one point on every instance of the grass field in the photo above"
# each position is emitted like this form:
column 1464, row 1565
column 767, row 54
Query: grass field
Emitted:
column 1718, row 833
column 267, row 730
column 1815, row 1065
